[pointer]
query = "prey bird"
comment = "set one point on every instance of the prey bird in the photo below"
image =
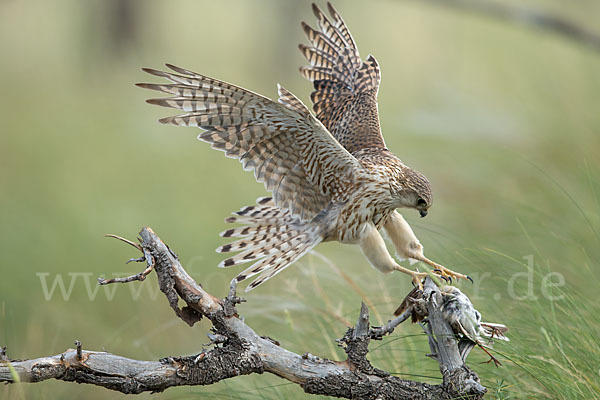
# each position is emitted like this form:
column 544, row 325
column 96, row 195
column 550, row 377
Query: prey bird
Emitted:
column 460, row 314
column 331, row 175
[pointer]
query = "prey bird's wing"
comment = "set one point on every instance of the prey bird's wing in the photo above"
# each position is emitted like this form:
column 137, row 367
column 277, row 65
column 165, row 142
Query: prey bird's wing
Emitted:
column 345, row 96
column 288, row 149
column 412, row 299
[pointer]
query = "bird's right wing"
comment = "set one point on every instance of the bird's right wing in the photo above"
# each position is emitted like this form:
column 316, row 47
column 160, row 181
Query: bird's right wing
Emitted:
column 287, row 147
column 345, row 95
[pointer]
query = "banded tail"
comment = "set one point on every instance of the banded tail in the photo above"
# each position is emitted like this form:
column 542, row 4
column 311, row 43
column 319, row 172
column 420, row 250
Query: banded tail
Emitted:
column 271, row 237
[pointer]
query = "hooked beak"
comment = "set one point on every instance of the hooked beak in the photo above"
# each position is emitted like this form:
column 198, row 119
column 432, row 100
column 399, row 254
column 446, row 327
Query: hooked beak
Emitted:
column 423, row 213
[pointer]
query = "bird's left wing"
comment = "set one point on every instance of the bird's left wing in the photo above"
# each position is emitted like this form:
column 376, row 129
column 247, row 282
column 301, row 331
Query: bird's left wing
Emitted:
column 289, row 150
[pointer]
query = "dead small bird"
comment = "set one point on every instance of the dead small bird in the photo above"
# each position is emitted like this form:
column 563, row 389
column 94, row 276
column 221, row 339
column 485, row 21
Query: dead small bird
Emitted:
column 459, row 312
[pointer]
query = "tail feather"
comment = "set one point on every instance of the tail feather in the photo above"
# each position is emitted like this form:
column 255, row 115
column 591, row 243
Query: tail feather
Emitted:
column 281, row 264
column 262, row 249
column 260, row 212
column 260, row 215
column 256, row 241
column 269, row 263
column 254, row 221
column 250, row 230
column 494, row 331
column 273, row 239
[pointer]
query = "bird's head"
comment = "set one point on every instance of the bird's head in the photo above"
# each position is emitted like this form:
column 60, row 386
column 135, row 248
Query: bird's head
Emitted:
column 413, row 191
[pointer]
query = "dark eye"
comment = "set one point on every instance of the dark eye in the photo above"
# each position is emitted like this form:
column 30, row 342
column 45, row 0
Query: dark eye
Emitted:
column 421, row 203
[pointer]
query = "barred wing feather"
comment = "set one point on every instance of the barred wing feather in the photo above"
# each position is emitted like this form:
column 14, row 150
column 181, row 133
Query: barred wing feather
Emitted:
column 288, row 149
column 345, row 95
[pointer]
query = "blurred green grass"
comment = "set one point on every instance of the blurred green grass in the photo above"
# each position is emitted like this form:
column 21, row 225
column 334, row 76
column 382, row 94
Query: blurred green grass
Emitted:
column 503, row 120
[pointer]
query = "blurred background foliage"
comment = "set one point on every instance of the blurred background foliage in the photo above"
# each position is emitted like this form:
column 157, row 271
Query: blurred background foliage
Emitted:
column 504, row 121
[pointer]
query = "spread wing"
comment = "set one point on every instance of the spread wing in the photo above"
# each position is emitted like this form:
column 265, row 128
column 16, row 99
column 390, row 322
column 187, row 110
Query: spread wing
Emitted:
column 287, row 147
column 345, row 96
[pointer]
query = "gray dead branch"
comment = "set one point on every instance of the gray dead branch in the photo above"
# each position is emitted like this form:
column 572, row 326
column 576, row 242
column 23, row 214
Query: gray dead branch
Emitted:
column 239, row 350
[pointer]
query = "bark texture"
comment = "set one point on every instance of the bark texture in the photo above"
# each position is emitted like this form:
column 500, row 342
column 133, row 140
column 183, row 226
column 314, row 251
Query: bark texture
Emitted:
column 239, row 350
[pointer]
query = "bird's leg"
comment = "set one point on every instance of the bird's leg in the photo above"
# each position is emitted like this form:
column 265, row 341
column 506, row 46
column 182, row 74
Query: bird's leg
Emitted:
column 417, row 277
column 443, row 271
column 408, row 246
column 497, row 363
column 373, row 246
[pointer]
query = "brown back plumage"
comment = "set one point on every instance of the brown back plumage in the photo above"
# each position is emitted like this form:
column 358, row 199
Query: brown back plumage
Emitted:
column 345, row 96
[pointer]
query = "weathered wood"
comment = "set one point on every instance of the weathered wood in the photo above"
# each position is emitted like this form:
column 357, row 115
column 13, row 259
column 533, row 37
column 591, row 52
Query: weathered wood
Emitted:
column 241, row 351
column 458, row 378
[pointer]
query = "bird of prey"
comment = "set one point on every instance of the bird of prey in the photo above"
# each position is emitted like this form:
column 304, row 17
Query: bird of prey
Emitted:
column 331, row 175
column 460, row 314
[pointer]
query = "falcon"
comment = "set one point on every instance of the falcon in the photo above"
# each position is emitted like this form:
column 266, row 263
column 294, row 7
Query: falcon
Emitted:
column 331, row 175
